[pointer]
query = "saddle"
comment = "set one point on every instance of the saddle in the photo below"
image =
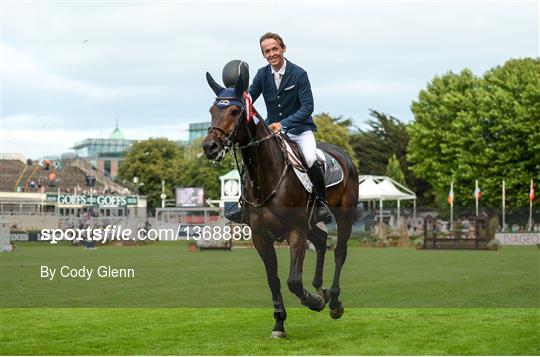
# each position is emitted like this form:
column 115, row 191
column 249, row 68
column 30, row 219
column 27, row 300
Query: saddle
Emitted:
column 333, row 173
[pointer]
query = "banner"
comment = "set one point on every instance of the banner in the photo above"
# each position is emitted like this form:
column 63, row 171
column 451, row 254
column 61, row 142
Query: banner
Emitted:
column 92, row 201
column 531, row 238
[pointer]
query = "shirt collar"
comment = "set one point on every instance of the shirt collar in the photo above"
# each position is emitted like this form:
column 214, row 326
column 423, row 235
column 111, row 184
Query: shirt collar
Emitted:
column 281, row 70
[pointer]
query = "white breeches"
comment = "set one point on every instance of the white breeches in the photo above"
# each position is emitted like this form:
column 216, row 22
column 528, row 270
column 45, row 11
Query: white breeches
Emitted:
column 306, row 142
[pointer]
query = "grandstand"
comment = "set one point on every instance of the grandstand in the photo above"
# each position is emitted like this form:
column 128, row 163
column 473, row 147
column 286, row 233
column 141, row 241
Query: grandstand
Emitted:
column 50, row 193
column 62, row 175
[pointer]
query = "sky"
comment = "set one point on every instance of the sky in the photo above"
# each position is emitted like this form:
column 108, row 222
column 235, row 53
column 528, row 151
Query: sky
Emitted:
column 70, row 69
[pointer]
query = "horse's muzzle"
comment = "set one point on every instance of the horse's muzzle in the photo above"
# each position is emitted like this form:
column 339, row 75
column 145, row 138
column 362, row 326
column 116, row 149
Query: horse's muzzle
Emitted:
column 212, row 149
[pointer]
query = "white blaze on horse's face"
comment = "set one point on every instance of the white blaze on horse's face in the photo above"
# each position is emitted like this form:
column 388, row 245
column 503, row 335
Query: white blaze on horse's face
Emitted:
column 223, row 122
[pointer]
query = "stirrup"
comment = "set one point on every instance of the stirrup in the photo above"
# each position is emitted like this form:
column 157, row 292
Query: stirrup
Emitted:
column 323, row 213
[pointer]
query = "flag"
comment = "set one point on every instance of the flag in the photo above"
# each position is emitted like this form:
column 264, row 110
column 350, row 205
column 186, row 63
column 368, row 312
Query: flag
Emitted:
column 531, row 192
column 477, row 192
column 451, row 194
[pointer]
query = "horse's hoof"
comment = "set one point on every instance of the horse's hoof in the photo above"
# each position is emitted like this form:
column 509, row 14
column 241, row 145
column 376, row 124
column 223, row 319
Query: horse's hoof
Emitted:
column 325, row 294
column 278, row 334
column 321, row 304
column 337, row 312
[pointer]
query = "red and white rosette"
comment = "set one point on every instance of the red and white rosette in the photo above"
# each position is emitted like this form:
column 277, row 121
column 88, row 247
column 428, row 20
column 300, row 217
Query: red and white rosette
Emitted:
column 249, row 108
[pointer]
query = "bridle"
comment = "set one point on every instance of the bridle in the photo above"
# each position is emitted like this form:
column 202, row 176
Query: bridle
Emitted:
column 228, row 141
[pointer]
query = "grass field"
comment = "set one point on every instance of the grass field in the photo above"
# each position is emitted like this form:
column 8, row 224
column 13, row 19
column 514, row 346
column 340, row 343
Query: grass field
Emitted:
column 174, row 331
column 397, row 301
column 167, row 275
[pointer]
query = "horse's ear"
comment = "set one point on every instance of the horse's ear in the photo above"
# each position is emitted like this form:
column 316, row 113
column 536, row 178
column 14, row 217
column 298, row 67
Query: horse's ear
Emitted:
column 240, row 86
column 212, row 83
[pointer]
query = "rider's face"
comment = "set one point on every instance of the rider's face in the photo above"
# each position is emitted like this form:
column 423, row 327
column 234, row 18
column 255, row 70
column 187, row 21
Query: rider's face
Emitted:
column 273, row 52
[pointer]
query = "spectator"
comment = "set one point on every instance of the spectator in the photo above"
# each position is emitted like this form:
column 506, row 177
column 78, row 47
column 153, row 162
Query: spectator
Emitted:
column 29, row 162
column 52, row 179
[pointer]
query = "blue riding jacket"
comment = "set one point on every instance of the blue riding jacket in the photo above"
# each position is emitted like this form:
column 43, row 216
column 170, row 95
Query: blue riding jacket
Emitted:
column 291, row 104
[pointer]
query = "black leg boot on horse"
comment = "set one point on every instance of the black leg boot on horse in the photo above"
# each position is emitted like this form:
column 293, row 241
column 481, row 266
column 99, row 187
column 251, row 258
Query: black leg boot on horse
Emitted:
column 322, row 212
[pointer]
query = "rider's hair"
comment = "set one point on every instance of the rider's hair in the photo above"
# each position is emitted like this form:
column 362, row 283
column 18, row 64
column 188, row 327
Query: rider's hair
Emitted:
column 274, row 36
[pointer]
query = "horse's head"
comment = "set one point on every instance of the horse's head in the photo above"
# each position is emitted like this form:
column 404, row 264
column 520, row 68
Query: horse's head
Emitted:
column 228, row 115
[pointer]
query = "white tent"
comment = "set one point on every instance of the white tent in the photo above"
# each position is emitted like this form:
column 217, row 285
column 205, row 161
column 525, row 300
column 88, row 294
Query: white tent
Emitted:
column 381, row 188
column 367, row 189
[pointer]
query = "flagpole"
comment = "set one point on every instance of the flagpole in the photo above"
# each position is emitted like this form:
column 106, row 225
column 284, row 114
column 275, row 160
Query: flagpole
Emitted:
column 530, row 216
column 531, row 198
column 42, row 200
column 476, row 197
column 503, row 206
column 452, row 206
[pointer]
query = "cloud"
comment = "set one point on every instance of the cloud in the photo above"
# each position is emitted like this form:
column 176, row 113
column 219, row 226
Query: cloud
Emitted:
column 31, row 136
column 79, row 65
column 22, row 71
column 366, row 87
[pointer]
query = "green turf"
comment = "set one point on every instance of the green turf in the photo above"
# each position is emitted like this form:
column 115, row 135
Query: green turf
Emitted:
column 397, row 301
column 167, row 275
column 143, row 331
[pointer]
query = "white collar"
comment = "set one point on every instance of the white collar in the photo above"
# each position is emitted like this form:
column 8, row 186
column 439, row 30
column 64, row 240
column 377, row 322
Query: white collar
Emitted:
column 281, row 70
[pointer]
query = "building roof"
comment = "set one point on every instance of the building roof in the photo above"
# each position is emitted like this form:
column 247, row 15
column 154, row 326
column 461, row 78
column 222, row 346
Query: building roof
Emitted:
column 116, row 133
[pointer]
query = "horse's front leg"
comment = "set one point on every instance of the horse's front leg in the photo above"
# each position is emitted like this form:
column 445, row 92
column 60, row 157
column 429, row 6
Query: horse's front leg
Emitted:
column 297, row 243
column 265, row 248
column 319, row 238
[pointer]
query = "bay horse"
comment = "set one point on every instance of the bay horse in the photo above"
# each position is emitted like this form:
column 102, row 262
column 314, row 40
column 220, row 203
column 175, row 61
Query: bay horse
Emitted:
column 277, row 202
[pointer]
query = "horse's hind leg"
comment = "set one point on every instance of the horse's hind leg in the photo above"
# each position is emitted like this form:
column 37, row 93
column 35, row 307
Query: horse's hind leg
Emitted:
column 319, row 237
column 344, row 218
column 267, row 252
column 297, row 245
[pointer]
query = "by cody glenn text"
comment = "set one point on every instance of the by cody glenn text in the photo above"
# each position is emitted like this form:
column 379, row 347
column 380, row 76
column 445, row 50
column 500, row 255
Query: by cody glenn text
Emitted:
column 85, row 272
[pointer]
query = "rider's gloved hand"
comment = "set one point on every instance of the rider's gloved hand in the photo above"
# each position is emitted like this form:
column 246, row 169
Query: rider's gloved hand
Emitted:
column 275, row 127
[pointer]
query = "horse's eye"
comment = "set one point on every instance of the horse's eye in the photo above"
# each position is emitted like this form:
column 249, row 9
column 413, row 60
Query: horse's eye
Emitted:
column 235, row 112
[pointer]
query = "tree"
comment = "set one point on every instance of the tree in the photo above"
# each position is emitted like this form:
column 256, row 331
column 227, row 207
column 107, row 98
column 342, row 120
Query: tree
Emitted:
column 334, row 130
column 151, row 161
column 393, row 170
column 154, row 160
column 469, row 128
column 198, row 171
column 374, row 147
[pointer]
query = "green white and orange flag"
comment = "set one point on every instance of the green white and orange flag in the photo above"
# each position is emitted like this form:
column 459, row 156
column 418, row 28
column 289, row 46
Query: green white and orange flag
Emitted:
column 477, row 193
column 531, row 192
column 451, row 194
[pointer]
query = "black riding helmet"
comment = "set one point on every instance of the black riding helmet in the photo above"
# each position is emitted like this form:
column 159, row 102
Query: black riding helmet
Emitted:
column 231, row 72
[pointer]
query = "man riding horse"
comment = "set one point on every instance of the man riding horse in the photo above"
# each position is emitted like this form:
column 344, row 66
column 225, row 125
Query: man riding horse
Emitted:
column 278, row 201
column 289, row 104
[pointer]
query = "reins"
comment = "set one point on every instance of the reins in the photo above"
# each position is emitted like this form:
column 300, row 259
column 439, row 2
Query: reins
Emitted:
column 228, row 143
column 256, row 143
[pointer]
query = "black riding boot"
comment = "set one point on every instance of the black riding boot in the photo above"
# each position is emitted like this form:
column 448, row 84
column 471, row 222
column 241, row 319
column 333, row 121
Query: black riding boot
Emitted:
column 238, row 216
column 322, row 212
